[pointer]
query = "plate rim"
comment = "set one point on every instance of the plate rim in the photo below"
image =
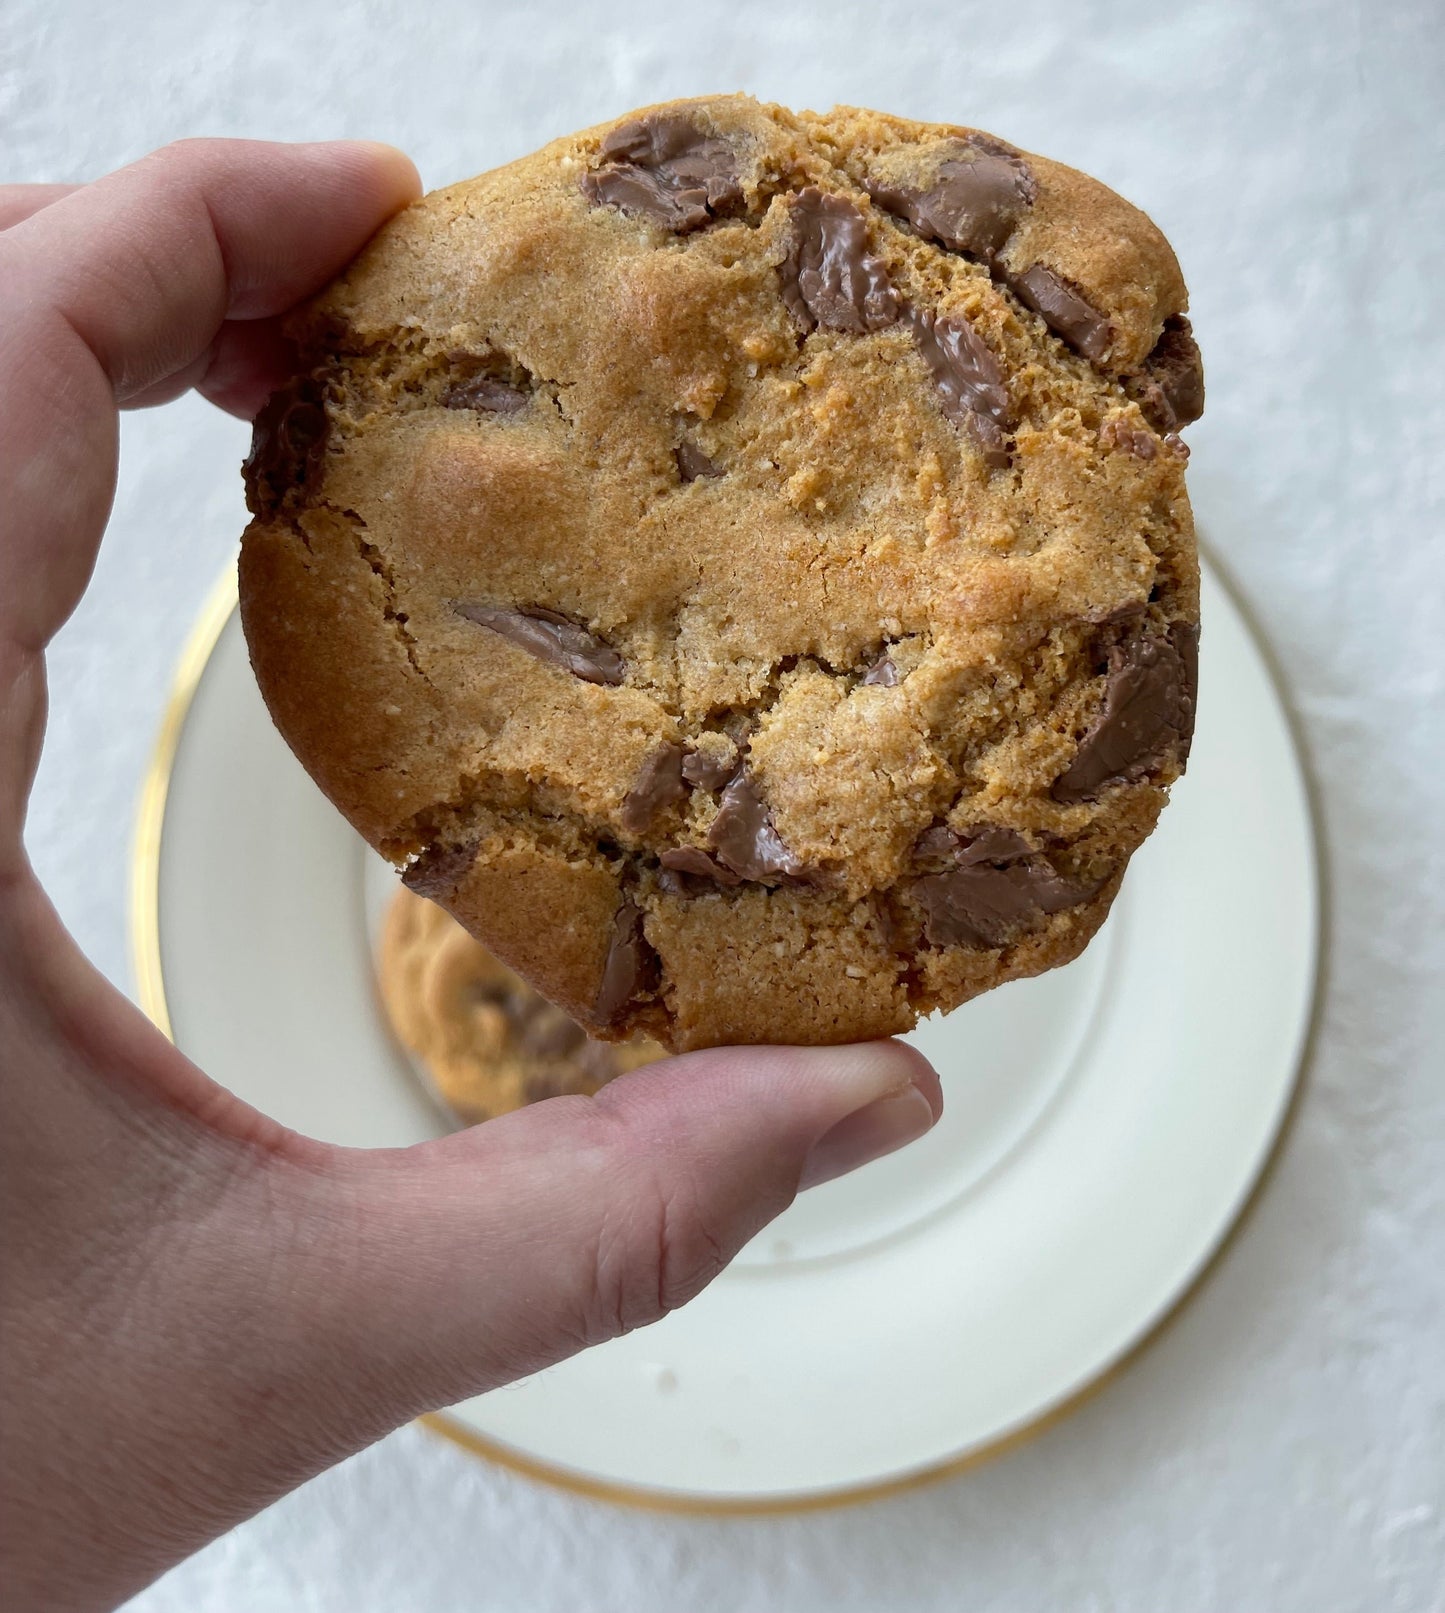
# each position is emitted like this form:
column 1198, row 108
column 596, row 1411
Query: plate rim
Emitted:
column 145, row 953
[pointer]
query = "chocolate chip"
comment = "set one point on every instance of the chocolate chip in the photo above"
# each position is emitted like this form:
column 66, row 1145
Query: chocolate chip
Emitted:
column 631, row 965
column 1169, row 386
column 550, row 637
column 990, row 844
column 967, row 378
column 659, row 782
column 743, row 835
column 986, row 843
column 288, row 443
column 707, row 771
column 985, row 906
column 437, row 871
column 829, row 277
column 486, row 394
column 666, row 169
column 939, row 841
column 1147, row 713
column 881, row 675
column 1184, row 637
column 694, row 860
column 972, row 205
column 692, row 463
column 1065, row 310
column 1115, row 435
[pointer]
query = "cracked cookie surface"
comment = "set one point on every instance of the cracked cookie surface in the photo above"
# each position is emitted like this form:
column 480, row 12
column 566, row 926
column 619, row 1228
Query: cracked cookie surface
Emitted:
column 738, row 563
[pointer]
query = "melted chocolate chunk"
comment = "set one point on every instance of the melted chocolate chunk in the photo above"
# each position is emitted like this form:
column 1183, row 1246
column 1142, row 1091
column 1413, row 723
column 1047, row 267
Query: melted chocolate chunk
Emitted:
column 664, row 168
column 1169, row 388
column 1147, row 713
column 990, row 844
column 985, row 906
column 550, row 637
column 706, row 771
column 631, row 965
column 659, row 782
column 986, row 843
column 743, row 835
column 1064, row 310
column 288, row 443
column 881, row 675
column 972, row 205
column 692, row 463
column 694, row 860
column 437, row 871
column 967, row 378
column 486, row 394
column 829, row 277
column 1184, row 636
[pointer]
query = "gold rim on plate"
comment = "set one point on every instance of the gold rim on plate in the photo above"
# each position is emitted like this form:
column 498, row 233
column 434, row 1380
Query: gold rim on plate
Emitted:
column 145, row 939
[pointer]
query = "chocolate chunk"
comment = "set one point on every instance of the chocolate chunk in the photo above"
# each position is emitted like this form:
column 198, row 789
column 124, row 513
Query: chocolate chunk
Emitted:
column 631, row 966
column 986, row 843
column 486, row 394
column 967, row 378
column 553, row 638
column 692, row 462
column 972, row 205
column 437, row 871
column 829, row 277
column 1169, row 387
column 1115, row 435
column 659, row 782
column 706, row 771
column 1184, row 637
column 985, row 906
column 288, row 443
column 1147, row 713
column 881, row 675
column 743, row 835
column 939, row 841
column 666, row 169
column 1064, row 310
column 694, row 860
column 990, row 844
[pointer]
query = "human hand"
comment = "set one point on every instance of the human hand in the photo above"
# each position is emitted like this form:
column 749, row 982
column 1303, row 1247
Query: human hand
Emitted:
column 201, row 1308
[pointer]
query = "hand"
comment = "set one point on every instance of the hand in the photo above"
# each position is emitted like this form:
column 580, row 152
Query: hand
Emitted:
column 201, row 1308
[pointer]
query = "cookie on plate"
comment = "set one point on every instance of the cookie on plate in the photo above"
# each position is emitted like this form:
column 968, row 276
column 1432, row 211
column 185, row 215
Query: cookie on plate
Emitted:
column 486, row 1040
column 739, row 563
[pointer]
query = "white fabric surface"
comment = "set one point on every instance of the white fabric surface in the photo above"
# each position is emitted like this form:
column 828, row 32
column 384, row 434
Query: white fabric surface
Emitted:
column 1282, row 1446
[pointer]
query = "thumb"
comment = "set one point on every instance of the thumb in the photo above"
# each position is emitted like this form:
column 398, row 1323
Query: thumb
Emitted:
column 497, row 1251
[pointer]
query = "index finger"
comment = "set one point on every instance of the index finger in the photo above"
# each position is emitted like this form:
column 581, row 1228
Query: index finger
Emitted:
column 108, row 291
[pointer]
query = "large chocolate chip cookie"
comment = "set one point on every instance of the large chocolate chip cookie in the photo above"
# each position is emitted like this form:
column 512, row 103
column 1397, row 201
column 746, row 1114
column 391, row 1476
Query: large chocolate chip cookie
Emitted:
column 739, row 563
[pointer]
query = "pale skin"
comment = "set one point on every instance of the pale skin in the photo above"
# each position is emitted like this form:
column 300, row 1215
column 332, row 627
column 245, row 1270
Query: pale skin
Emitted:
column 201, row 1309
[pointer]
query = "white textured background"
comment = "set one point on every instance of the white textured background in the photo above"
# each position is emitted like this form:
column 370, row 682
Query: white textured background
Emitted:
column 1282, row 1446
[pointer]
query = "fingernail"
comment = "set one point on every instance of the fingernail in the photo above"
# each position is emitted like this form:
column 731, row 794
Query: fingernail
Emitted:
column 867, row 1134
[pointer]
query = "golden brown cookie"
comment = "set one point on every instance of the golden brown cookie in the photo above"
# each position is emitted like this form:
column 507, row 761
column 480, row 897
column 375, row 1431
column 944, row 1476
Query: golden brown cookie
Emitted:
column 487, row 1040
column 739, row 563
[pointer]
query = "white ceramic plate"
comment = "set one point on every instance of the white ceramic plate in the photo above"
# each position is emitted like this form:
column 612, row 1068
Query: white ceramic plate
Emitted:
column 1105, row 1123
